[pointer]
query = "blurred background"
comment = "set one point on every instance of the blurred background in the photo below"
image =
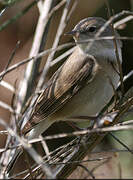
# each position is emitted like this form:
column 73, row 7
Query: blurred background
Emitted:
column 23, row 30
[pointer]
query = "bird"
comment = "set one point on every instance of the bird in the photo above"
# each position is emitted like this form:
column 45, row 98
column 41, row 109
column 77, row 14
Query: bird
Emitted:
column 83, row 84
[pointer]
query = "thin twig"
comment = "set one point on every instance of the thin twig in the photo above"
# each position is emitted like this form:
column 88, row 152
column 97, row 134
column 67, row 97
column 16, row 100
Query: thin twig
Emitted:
column 57, row 7
column 118, row 61
column 55, row 44
column 64, row 55
column 97, row 166
column 40, row 6
column 60, row 47
column 45, row 147
column 108, row 23
column 83, row 132
column 17, row 16
column 87, row 170
column 123, row 144
column 72, row 10
column 6, row 106
column 4, row 132
column 11, row 58
column 123, row 21
column 32, row 68
column 76, row 162
column 120, row 170
column 28, row 164
column 29, row 149
column 7, row 86
column 11, row 68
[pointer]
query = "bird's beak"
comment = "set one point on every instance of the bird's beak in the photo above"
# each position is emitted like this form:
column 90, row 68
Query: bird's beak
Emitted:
column 71, row 33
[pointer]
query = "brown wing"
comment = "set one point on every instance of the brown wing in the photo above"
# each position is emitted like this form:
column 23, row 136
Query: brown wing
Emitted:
column 73, row 75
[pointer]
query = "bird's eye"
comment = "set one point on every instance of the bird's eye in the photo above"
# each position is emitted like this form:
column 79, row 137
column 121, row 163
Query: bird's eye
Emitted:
column 92, row 29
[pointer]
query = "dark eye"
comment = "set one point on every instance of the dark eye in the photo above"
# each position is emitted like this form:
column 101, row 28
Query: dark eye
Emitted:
column 92, row 29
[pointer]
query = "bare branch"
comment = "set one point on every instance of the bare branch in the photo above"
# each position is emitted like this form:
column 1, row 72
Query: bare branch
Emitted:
column 29, row 149
column 7, row 86
column 31, row 70
column 55, row 44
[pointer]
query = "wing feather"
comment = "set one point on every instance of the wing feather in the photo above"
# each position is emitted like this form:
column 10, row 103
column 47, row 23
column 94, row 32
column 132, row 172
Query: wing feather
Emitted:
column 65, row 83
